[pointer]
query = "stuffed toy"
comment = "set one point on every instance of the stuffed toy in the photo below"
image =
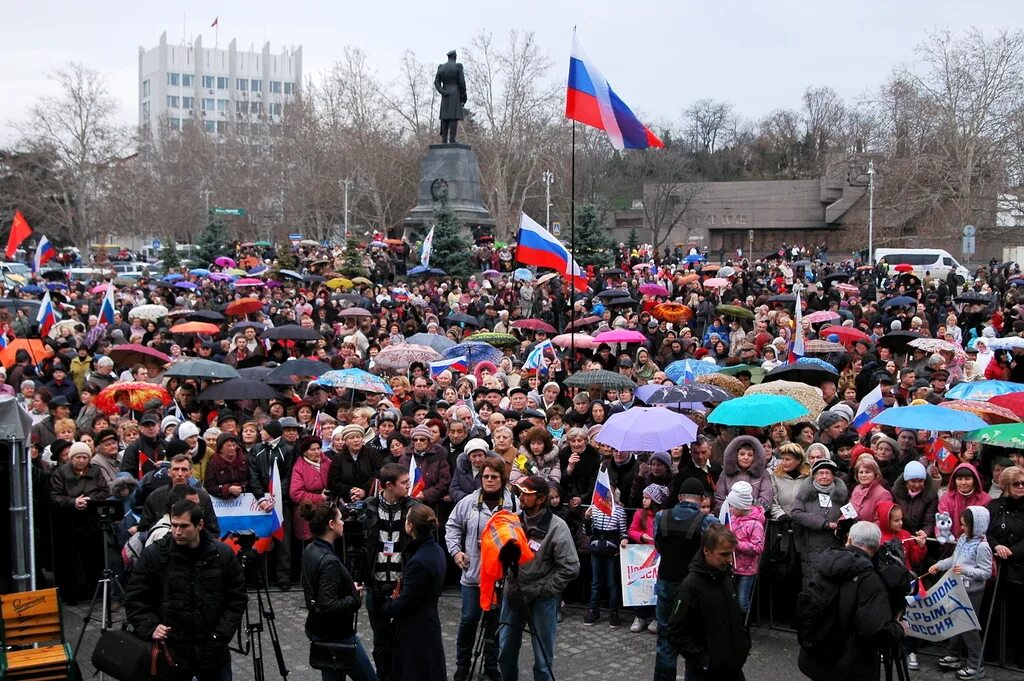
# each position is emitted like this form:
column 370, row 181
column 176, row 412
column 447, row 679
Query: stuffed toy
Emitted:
column 944, row 528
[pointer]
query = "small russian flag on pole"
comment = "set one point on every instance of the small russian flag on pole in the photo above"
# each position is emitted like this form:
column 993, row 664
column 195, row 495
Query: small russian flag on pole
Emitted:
column 459, row 364
column 45, row 251
column 416, row 483
column 871, row 406
column 46, row 317
column 603, row 498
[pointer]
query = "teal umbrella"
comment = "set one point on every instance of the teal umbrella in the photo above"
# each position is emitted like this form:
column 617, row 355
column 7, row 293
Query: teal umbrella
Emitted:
column 757, row 410
column 929, row 417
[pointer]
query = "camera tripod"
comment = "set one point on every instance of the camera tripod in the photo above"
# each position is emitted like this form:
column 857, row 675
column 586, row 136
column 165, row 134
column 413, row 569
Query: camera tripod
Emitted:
column 103, row 589
column 254, row 567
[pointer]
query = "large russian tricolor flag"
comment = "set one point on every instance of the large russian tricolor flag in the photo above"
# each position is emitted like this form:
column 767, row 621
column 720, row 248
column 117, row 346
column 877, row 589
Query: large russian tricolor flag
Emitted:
column 46, row 317
column 590, row 100
column 539, row 247
column 454, row 364
column 44, row 252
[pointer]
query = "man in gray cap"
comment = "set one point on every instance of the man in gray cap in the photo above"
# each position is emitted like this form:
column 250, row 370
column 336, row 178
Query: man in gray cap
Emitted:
column 831, row 424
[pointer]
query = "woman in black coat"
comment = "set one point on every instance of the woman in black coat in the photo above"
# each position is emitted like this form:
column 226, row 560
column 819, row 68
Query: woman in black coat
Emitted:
column 418, row 652
column 1006, row 537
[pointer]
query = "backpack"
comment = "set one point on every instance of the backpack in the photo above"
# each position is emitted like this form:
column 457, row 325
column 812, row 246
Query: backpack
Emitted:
column 819, row 615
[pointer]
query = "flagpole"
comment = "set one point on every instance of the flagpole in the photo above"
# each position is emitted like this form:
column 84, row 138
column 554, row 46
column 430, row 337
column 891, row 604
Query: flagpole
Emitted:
column 572, row 247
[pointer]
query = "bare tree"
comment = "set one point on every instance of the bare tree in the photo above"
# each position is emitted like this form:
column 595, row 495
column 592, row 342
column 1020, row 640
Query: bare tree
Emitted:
column 706, row 123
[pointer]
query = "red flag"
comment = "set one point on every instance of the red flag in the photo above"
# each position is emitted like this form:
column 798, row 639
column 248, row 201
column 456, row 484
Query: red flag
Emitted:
column 143, row 459
column 19, row 232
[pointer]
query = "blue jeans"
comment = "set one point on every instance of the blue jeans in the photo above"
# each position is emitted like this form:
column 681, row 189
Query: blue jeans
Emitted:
column 604, row 570
column 665, row 655
column 543, row 620
column 471, row 613
column 744, row 589
column 363, row 670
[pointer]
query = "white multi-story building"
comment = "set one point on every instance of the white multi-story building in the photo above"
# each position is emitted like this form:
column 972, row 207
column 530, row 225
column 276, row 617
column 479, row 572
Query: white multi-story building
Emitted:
column 219, row 88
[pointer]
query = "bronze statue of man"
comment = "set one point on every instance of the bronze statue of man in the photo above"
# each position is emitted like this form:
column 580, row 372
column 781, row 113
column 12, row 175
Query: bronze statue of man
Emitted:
column 451, row 84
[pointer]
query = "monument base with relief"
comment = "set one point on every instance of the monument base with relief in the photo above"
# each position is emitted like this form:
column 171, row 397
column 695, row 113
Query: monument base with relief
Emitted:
column 451, row 167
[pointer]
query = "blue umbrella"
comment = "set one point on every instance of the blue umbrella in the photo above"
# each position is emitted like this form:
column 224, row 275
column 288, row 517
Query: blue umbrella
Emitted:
column 431, row 340
column 827, row 366
column 354, row 379
column 420, row 269
column 899, row 301
column 56, row 286
column 929, row 417
column 291, row 274
column 758, row 410
column 32, row 289
column 693, row 258
column 474, row 352
column 173, row 277
column 647, row 429
column 981, row 391
column 677, row 370
column 522, row 274
column 199, row 272
column 258, row 269
column 186, row 285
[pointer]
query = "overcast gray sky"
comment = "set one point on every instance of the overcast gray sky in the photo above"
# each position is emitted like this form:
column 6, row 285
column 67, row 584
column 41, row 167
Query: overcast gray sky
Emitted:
column 659, row 55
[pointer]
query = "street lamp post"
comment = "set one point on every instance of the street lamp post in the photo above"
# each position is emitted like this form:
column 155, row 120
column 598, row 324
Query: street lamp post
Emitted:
column 347, row 183
column 871, row 211
column 548, row 177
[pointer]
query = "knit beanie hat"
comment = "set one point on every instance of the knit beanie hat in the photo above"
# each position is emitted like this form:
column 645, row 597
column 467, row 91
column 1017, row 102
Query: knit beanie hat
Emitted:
column 273, row 429
column 352, row 429
column 664, row 458
column 741, row 495
column 187, row 430
column 915, row 470
column 421, row 431
column 656, row 493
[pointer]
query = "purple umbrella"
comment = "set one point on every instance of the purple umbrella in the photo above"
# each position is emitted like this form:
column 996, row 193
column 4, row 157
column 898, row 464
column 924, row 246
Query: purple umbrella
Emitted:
column 653, row 290
column 220, row 276
column 224, row 261
column 185, row 284
column 647, row 429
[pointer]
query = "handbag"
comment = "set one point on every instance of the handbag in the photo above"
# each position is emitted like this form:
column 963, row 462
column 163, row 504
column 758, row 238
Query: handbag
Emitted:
column 127, row 657
column 332, row 655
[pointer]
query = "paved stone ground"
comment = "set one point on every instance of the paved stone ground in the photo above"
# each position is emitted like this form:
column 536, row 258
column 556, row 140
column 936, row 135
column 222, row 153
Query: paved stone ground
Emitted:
column 583, row 652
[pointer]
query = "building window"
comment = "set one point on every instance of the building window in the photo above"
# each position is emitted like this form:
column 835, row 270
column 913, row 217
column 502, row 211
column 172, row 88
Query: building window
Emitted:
column 172, row 102
column 174, row 124
column 242, row 84
column 222, row 82
column 257, row 85
column 222, row 127
column 255, row 107
column 145, row 110
column 222, row 106
column 172, row 78
column 275, row 109
column 288, row 88
column 241, row 107
column 275, row 87
column 208, row 82
column 186, row 80
column 210, row 126
column 208, row 104
column 188, row 102
column 145, row 88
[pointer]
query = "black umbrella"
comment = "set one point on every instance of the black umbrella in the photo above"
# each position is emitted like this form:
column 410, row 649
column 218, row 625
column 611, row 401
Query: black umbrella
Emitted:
column 900, row 301
column 54, row 275
column 237, row 389
column 314, row 279
column 620, row 301
column 459, row 318
column 810, row 373
column 612, row 272
column 898, row 341
column 688, row 393
column 802, row 263
column 829, row 279
column 613, row 293
column 972, row 297
column 262, row 374
column 600, row 377
column 205, row 316
column 242, row 326
column 307, row 368
column 291, row 332
column 783, row 298
column 357, row 299
column 202, row 368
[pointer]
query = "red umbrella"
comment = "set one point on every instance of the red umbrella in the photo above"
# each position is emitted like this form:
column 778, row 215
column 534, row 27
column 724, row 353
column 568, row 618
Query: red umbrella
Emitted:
column 847, row 334
column 904, row 267
column 132, row 353
column 243, row 306
column 580, row 323
column 134, row 395
column 1012, row 401
column 533, row 325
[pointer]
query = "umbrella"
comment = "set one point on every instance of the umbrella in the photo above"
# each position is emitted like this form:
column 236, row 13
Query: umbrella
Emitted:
column 802, row 263
column 262, row 373
column 735, row 311
column 431, row 340
column 339, row 282
column 726, row 271
column 248, row 281
column 186, row 285
column 173, row 277
column 353, row 298
column 314, row 279
column 1008, row 343
column 459, row 318
column 783, row 298
column 847, row 334
column 904, row 267
column 135, row 395
column 199, row 272
column 613, row 293
column 671, row 395
column 972, row 297
column 620, row 336
column 757, row 410
column 1012, row 401
column 820, row 347
column 653, row 290
column 848, row 289
column 756, row 372
column 939, row 345
column 32, row 289
column 220, row 276
column 929, row 417
column 362, row 281
column 989, row 412
column 647, row 429
column 610, row 302
column 243, row 306
column 132, row 353
column 420, row 269
column 303, row 368
column 36, row 349
column 821, row 316
column 716, row 282
column 802, row 372
column 693, row 257
column 533, row 325
column 730, row 384
column 1009, row 435
column 210, row 316
column 678, row 369
column 898, row 341
column 829, row 279
column 224, row 261
column 354, row 379
column 242, row 326
column 684, row 279
column 203, row 369
column 101, row 288
column 196, row 327
column 607, row 380
column 808, row 396
column 675, row 313
column 544, row 278
column 900, row 301
column 492, row 274
column 522, row 274
column 148, row 312
column 612, row 272
column 291, row 274
column 291, row 332
column 62, row 324
column 237, row 389
column 397, row 358
column 498, row 340
column 355, row 312
column 583, row 321
column 579, row 340
column 474, row 352
column 982, row 390
column 259, row 269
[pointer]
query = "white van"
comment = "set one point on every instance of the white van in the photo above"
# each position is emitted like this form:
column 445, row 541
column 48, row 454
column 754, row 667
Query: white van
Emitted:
column 933, row 262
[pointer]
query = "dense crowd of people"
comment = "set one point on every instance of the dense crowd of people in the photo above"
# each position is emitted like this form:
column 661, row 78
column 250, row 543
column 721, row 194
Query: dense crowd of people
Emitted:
column 517, row 429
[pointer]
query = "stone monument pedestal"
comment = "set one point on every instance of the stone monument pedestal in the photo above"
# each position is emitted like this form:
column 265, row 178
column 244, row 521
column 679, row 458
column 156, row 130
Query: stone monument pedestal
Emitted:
column 451, row 167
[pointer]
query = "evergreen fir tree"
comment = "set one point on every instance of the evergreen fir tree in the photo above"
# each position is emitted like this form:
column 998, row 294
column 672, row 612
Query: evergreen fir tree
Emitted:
column 212, row 242
column 450, row 251
column 286, row 259
column 352, row 265
column 593, row 244
column 634, row 240
column 169, row 256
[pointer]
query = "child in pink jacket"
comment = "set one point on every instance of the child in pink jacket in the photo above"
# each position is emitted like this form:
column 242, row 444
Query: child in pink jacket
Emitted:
column 746, row 520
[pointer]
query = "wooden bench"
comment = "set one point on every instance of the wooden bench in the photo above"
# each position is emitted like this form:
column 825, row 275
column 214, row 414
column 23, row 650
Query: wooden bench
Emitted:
column 33, row 637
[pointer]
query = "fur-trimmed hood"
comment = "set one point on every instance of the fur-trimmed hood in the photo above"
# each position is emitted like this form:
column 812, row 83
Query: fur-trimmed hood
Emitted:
column 729, row 466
